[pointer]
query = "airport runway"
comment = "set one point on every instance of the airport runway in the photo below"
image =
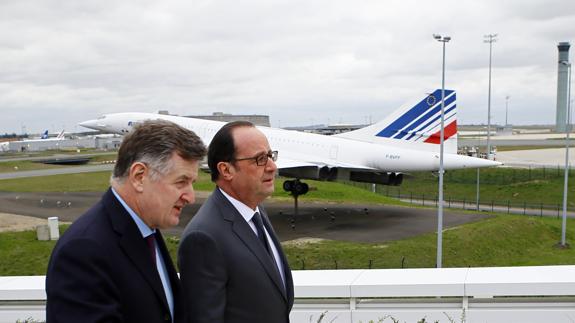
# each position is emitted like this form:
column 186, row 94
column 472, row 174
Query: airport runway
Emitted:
column 552, row 157
column 57, row 171
column 315, row 220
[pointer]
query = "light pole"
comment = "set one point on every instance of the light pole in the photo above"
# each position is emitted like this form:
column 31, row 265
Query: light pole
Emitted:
column 506, row 108
column 444, row 40
column 567, row 131
column 491, row 38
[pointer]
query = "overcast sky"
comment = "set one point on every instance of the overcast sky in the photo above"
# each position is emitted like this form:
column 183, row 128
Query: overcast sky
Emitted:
column 299, row 61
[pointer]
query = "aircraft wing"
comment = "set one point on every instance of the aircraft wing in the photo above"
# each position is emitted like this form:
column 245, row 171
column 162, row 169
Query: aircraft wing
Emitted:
column 300, row 161
column 311, row 167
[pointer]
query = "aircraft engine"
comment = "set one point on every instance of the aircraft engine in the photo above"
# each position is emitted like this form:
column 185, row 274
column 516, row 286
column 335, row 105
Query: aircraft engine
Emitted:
column 394, row 179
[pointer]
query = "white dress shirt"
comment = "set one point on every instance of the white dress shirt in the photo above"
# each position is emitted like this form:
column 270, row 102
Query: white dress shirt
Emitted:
column 247, row 213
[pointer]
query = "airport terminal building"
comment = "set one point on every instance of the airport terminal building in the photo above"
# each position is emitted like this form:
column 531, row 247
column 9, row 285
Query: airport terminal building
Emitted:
column 65, row 144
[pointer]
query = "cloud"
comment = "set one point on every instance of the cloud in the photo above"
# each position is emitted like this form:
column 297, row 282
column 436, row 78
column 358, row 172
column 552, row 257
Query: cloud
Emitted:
column 296, row 60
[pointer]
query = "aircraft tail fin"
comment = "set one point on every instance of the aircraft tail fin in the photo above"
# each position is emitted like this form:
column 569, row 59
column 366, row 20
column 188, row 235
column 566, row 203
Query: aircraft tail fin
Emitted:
column 44, row 135
column 61, row 135
column 418, row 124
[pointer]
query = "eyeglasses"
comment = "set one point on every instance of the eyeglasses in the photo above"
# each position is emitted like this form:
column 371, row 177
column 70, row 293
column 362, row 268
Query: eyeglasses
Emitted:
column 261, row 159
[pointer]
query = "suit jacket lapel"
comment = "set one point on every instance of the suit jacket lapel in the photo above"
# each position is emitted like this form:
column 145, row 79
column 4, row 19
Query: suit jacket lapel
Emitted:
column 172, row 274
column 242, row 229
column 134, row 245
column 171, row 270
column 283, row 259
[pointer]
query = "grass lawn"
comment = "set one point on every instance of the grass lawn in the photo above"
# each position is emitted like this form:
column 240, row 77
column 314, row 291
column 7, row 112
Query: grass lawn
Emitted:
column 99, row 182
column 80, row 182
column 501, row 185
column 15, row 166
column 502, row 240
column 23, row 255
column 499, row 241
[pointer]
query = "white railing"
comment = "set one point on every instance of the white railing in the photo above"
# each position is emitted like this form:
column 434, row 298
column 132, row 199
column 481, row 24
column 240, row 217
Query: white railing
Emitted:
column 485, row 295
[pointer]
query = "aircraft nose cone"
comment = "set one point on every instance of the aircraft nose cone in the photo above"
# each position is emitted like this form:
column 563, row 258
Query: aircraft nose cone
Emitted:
column 91, row 124
column 478, row 162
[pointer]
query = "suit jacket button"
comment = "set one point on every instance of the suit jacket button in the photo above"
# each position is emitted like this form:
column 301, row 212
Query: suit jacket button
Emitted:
column 167, row 317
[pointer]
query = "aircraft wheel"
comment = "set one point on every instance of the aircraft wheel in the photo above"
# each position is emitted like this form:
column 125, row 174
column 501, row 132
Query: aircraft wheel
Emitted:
column 300, row 188
column 288, row 186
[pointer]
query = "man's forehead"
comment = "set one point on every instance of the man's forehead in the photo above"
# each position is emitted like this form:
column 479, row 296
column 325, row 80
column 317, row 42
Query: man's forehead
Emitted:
column 249, row 139
column 185, row 167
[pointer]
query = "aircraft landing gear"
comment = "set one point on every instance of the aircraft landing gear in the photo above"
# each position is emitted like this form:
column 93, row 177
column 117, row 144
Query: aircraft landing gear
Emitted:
column 296, row 188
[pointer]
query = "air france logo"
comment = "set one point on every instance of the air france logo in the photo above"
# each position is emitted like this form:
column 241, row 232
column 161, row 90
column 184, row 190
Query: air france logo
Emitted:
column 422, row 121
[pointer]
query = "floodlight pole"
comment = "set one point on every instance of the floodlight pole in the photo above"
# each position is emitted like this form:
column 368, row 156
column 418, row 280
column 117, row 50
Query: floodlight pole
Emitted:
column 477, row 191
column 506, row 109
column 567, row 131
column 444, row 40
column 491, row 38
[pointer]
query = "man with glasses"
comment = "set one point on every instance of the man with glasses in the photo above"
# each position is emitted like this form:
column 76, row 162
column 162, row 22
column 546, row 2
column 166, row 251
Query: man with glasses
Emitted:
column 231, row 263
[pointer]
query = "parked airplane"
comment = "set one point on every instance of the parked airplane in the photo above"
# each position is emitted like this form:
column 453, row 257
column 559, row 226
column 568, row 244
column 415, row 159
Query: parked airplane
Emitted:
column 5, row 146
column 406, row 141
column 46, row 136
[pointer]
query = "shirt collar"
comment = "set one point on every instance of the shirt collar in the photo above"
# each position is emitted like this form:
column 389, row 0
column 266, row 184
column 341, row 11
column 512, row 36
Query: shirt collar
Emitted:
column 145, row 230
column 246, row 212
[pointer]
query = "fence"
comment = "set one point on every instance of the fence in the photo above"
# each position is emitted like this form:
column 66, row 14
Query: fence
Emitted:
column 502, row 206
column 492, row 294
column 492, row 177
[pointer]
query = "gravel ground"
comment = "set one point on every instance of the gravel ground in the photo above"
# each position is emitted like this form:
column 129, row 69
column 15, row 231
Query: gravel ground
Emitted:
column 14, row 222
column 350, row 222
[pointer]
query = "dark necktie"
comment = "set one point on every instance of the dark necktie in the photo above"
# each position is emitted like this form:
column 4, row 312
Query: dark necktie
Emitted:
column 257, row 219
column 151, row 240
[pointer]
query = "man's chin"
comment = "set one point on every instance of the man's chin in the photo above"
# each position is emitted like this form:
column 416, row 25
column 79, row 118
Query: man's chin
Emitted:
column 269, row 192
column 269, row 186
column 174, row 220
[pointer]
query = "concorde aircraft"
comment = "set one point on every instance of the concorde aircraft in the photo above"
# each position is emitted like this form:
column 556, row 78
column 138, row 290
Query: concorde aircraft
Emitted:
column 408, row 140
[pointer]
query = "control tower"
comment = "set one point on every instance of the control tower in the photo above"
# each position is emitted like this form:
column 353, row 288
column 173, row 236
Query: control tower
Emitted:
column 562, row 84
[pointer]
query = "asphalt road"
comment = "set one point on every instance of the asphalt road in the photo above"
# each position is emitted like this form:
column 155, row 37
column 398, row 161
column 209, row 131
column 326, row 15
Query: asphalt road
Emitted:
column 57, row 171
column 315, row 220
column 12, row 158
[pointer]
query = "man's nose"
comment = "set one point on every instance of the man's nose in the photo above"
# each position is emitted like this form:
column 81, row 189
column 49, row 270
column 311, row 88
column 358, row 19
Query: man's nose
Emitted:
column 271, row 165
column 189, row 196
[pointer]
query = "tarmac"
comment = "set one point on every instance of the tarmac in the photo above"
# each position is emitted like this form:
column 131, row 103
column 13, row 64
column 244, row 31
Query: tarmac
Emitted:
column 551, row 157
column 347, row 222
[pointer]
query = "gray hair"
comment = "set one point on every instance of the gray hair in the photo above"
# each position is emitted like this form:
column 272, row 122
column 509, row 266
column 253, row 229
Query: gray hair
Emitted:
column 153, row 143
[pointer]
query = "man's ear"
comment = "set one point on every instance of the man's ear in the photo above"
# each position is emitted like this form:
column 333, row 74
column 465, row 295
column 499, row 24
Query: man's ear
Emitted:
column 138, row 172
column 226, row 170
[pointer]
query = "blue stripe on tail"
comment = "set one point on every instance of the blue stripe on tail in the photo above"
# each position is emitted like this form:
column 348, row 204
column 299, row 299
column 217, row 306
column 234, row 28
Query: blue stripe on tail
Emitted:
column 428, row 115
column 413, row 113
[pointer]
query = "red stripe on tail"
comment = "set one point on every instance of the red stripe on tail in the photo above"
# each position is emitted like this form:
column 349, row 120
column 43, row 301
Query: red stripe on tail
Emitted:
column 448, row 131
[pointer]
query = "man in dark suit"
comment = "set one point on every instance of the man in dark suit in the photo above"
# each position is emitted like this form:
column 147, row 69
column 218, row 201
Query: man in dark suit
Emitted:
column 112, row 264
column 232, row 265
